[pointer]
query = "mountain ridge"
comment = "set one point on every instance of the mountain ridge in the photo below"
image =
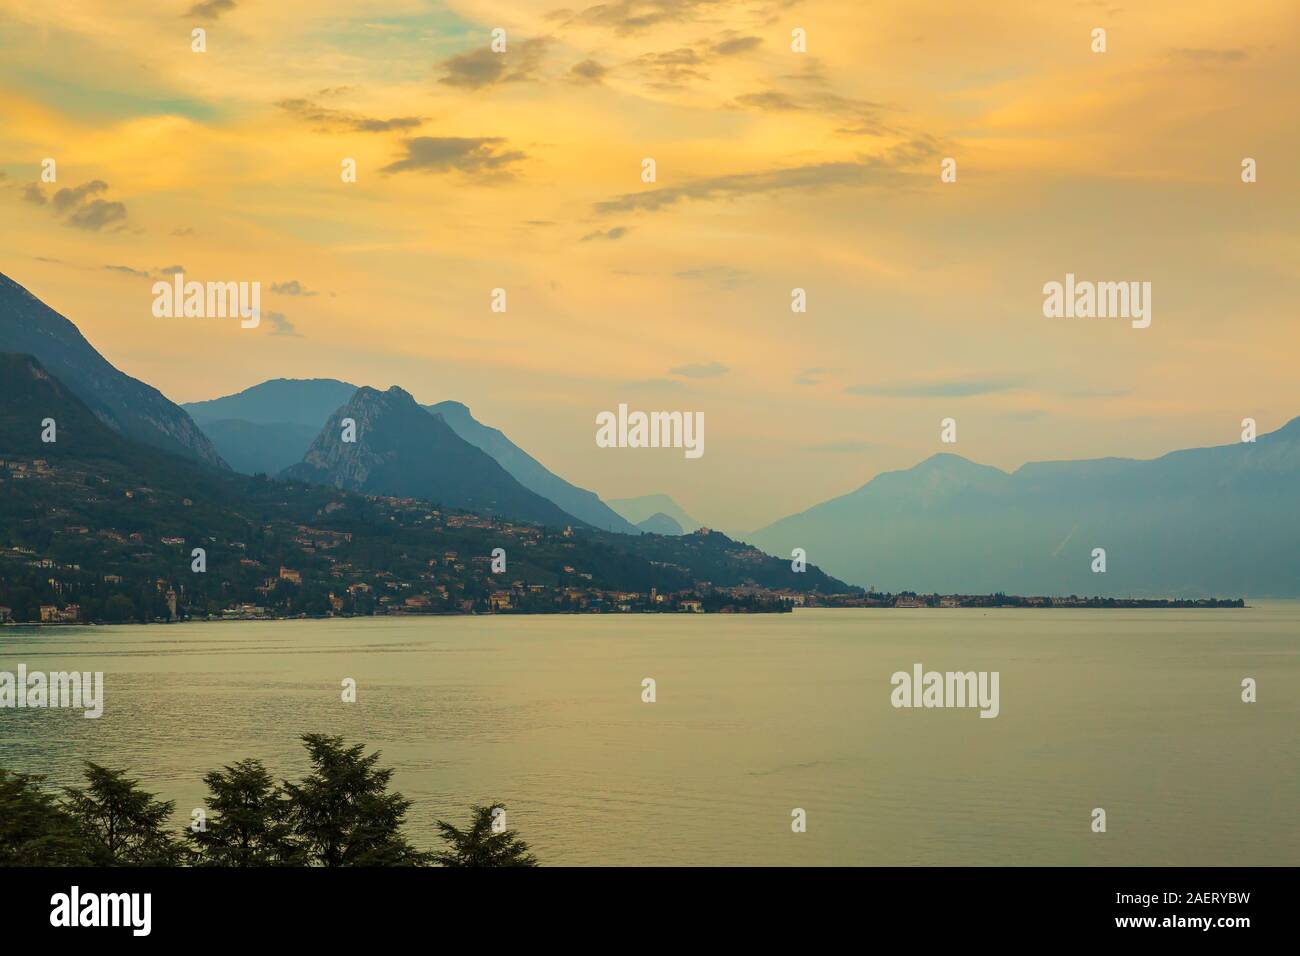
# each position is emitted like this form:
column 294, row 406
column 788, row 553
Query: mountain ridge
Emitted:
column 127, row 405
column 1193, row 522
column 400, row 450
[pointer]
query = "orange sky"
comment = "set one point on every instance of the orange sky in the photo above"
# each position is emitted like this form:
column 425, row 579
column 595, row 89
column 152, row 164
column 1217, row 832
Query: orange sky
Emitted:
column 775, row 170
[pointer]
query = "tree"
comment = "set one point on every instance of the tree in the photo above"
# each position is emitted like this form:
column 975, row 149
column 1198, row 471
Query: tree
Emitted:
column 249, row 820
column 118, row 823
column 479, row 845
column 34, row 829
column 342, row 813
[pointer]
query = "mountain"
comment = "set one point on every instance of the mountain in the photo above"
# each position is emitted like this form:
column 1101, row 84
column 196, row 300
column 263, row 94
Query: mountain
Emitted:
column 529, row 472
column 295, row 401
column 104, row 528
column 268, row 427
column 637, row 510
column 401, row 450
column 660, row 523
column 283, row 402
column 254, row 448
column 136, row 410
column 1193, row 523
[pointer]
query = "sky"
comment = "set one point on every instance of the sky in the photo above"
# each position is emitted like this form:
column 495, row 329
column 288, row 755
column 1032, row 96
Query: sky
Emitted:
column 775, row 170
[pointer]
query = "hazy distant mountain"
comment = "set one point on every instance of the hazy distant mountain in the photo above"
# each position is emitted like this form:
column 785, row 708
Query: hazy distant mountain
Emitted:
column 296, row 401
column 126, row 405
column 660, row 523
column 401, row 450
column 252, row 448
column 529, row 472
column 1219, row 521
column 637, row 510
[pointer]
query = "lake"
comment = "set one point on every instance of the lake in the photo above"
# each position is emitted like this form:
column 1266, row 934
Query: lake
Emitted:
column 1138, row 712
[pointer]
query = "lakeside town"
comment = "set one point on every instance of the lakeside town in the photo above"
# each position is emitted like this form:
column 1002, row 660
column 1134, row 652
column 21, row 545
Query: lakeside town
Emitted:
column 93, row 548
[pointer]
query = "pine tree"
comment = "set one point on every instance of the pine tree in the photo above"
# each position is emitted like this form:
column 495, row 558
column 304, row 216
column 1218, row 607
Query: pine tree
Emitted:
column 34, row 829
column 119, row 824
column 248, row 822
column 342, row 812
column 479, row 845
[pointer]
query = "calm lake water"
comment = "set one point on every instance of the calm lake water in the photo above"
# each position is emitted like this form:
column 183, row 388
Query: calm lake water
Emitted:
column 1137, row 712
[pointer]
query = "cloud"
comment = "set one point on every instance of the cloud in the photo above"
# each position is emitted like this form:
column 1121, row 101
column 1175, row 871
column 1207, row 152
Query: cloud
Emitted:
column 328, row 119
column 711, row 370
column 863, row 116
column 814, row 376
column 98, row 214
column 129, row 271
column 211, row 9
column 439, row 154
column 482, row 67
column 723, row 277
column 769, row 101
column 292, row 287
column 78, row 208
column 886, row 170
column 166, row 272
column 588, row 71
column 737, row 45
column 939, row 389
column 66, row 200
column 280, row 325
column 632, row 16
column 618, row 232
column 673, row 67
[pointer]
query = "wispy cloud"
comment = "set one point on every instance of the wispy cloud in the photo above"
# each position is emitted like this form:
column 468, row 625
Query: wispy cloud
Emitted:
column 328, row 119
column 280, row 325
column 166, row 272
column 964, row 388
column 889, row 169
column 814, row 376
column 860, row 117
column 736, row 45
column 439, row 154
column 618, row 232
column 633, row 16
column 80, row 207
column 724, row 277
column 292, row 287
column 672, row 68
column 587, row 72
column 482, row 67
column 211, row 9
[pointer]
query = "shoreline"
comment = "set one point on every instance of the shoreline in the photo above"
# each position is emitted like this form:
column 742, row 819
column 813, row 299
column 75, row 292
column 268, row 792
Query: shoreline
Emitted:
column 1188, row 605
